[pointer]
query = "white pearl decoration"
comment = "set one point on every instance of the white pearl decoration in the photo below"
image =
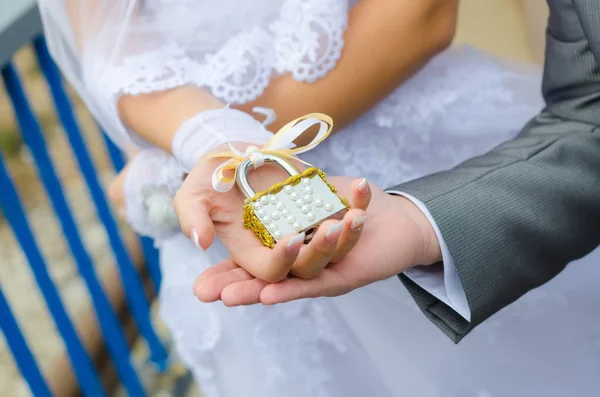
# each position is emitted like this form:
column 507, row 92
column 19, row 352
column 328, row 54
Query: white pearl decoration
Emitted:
column 275, row 212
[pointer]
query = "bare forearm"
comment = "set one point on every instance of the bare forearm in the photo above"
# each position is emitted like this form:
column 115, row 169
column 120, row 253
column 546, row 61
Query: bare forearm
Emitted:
column 157, row 116
column 385, row 43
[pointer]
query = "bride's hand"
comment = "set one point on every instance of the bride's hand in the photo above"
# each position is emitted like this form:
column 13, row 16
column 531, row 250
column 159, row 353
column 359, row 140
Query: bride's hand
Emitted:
column 203, row 212
column 115, row 191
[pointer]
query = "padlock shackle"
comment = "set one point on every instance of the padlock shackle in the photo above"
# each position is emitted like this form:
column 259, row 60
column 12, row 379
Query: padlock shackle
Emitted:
column 247, row 165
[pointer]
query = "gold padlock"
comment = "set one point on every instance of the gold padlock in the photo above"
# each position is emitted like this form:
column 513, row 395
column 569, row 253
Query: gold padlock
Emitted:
column 299, row 204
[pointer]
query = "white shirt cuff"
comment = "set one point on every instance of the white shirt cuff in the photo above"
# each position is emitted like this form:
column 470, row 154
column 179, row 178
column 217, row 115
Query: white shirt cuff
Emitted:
column 441, row 281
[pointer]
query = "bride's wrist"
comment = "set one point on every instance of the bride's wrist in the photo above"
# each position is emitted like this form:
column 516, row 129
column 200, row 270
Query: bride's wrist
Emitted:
column 209, row 130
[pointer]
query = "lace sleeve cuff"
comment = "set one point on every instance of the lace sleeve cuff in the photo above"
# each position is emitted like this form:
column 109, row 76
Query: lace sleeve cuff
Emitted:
column 152, row 179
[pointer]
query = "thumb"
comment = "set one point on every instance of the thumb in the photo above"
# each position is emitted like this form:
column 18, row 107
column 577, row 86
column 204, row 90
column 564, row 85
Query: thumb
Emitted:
column 360, row 195
column 194, row 218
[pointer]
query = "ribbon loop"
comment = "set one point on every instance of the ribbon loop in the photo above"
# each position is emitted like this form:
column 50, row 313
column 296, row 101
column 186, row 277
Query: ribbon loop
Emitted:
column 282, row 144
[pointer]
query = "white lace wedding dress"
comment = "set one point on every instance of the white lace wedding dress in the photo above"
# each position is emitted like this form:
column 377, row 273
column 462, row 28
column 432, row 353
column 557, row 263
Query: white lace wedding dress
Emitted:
column 374, row 341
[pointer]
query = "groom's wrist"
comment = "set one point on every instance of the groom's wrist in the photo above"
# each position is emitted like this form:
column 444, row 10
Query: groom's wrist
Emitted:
column 429, row 251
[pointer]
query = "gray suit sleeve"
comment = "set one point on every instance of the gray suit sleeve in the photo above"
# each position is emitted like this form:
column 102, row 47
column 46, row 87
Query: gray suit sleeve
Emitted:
column 515, row 217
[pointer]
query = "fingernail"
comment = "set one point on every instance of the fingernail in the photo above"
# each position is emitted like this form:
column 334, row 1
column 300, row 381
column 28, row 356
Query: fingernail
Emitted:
column 295, row 243
column 334, row 232
column 357, row 223
column 196, row 240
column 363, row 186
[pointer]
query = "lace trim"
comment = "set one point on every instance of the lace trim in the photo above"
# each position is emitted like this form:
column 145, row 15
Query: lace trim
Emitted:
column 306, row 40
column 309, row 38
column 240, row 71
column 143, row 73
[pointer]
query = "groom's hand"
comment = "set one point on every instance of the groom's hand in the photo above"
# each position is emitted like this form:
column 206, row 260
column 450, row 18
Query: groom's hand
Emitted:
column 396, row 237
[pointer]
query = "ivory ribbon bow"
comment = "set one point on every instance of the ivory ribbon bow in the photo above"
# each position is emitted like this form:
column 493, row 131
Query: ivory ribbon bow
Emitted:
column 282, row 144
